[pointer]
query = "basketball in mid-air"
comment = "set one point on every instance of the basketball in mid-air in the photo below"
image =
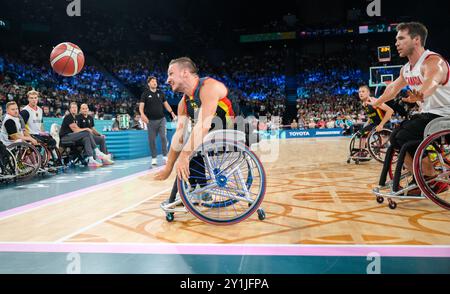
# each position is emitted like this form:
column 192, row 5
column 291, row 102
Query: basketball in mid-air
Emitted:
column 67, row 59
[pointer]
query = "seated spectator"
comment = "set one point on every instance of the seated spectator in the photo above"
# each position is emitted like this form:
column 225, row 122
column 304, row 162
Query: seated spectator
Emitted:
column 331, row 124
column 47, row 112
column 321, row 124
column 312, row 124
column 115, row 125
column 294, row 125
column 137, row 123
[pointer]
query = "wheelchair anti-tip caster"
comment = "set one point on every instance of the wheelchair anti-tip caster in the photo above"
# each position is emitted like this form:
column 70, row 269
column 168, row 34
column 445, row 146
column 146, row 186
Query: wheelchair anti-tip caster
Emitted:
column 170, row 217
column 261, row 214
column 380, row 199
column 392, row 205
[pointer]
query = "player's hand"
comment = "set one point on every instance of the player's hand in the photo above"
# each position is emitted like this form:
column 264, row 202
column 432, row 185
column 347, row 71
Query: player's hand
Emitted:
column 413, row 97
column 34, row 142
column 174, row 117
column 379, row 128
column 145, row 119
column 163, row 175
column 375, row 104
column 182, row 167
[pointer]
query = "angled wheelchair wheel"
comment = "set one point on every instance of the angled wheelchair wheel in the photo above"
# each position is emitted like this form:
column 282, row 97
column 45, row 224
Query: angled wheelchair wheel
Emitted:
column 227, row 183
column 378, row 144
column 28, row 159
column 45, row 156
column 434, row 152
column 357, row 154
column 8, row 166
column 55, row 158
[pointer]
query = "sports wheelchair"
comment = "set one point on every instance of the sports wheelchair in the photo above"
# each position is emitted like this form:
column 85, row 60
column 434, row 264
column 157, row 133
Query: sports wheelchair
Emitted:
column 70, row 154
column 374, row 147
column 19, row 161
column 434, row 150
column 227, row 182
column 7, row 164
column 51, row 158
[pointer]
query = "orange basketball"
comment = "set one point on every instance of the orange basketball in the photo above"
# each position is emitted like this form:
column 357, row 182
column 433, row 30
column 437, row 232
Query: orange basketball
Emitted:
column 67, row 59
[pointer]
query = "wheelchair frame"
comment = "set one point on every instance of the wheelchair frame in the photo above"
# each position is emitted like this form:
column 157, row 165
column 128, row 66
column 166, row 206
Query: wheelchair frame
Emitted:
column 392, row 189
column 353, row 155
column 218, row 178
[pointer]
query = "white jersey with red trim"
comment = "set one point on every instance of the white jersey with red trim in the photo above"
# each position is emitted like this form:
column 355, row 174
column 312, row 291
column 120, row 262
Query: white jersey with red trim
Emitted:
column 439, row 102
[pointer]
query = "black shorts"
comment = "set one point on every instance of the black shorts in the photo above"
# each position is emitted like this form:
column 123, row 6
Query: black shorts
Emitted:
column 412, row 130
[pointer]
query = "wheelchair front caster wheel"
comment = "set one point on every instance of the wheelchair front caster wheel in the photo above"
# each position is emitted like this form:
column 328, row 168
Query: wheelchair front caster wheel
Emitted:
column 170, row 217
column 261, row 214
column 380, row 199
column 357, row 162
column 348, row 161
column 392, row 205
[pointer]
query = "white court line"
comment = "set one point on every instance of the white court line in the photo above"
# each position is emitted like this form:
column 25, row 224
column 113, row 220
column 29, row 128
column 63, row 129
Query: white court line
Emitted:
column 109, row 217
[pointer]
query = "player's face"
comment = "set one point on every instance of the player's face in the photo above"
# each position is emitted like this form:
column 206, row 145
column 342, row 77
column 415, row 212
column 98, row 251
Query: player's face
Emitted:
column 363, row 94
column 74, row 109
column 174, row 77
column 405, row 44
column 84, row 109
column 33, row 100
column 13, row 110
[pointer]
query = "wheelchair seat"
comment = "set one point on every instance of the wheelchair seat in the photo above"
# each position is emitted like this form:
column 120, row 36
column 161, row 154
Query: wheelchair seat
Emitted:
column 71, row 152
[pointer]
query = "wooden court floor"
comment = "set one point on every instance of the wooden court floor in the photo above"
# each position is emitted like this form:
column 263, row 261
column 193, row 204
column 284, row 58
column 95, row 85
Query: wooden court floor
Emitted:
column 313, row 197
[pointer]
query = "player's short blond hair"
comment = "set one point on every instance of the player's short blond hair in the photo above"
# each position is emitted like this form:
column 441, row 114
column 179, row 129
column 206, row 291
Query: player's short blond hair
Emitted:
column 9, row 104
column 185, row 62
column 32, row 92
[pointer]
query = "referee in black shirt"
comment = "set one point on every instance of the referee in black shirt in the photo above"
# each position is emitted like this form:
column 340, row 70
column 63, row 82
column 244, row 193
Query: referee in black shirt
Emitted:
column 151, row 108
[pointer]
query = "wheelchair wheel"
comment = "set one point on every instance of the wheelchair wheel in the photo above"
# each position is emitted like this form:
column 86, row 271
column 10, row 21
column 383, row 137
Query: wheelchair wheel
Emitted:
column 28, row 159
column 435, row 151
column 353, row 151
column 57, row 161
column 357, row 153
column 378, row 143
column 8, row 166
column 232, row 177
column 45, row 156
